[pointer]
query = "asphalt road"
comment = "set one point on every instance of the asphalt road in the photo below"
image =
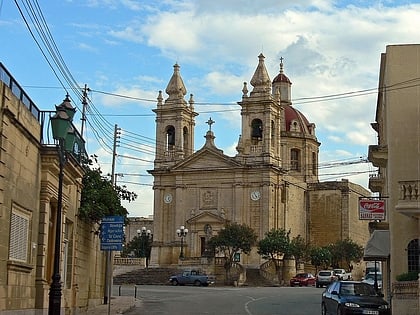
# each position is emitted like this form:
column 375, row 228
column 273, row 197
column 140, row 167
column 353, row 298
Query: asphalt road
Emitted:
column 190, row 300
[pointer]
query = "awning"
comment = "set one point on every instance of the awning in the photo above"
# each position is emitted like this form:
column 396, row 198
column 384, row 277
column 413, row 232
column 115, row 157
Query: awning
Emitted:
column 377, row 248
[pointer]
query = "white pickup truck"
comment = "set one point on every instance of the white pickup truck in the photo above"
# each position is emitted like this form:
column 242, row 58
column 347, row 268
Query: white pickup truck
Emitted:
column 342, row 274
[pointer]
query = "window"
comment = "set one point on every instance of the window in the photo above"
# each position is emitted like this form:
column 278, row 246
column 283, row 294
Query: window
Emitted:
column 185, row 138
column 314, row 163
column 203, row 245
column 68, row 254
column 170, row 137
column 413, row 255
column 294, row 126
column 295, row 159
column 19, row 235
column 256, row 129
column 333, row 287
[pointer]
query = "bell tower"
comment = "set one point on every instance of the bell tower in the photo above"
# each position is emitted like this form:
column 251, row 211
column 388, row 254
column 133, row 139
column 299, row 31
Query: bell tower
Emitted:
column 175, row 121
column 261, row 114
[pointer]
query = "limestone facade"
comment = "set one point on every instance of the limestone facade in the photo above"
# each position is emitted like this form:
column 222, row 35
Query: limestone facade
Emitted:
column 29, row 168
column 397, row 156
column 272, row 181
column 135, row 224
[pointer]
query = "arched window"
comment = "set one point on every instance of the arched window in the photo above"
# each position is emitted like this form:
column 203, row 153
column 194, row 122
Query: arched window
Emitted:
column 413, row 255
column 295, row 159
column 170, row 136
column 256, row 129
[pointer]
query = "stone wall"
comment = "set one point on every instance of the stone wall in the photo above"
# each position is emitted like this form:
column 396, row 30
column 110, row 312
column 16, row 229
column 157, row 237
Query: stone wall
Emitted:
column 19, row 195
column 406, row 297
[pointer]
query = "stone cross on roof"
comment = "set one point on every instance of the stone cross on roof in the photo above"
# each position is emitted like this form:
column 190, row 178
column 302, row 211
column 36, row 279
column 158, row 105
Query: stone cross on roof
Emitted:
column 210, row 122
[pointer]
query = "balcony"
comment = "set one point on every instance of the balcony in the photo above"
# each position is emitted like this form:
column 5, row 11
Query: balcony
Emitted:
column 75, row 144
column 376, row 183
column 378, row 155
column 409, row 199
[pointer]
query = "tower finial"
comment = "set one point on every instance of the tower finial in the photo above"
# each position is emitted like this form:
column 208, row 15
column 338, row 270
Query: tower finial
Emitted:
column 210, row 122
column 281, row 64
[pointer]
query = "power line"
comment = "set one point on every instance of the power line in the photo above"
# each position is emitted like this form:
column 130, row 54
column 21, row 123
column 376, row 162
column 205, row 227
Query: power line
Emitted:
column 100, row 126
column 45, row 42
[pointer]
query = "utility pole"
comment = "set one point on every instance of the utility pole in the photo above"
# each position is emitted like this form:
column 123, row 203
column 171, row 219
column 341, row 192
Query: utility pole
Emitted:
column 109, row 254
column 117, row 134
column 84, row 103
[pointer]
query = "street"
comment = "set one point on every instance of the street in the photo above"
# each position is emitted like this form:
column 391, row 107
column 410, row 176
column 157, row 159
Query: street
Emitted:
column 190, row 300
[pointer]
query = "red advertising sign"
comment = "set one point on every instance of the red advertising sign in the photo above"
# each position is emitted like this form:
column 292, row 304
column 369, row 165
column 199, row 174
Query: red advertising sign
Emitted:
column 370, row 209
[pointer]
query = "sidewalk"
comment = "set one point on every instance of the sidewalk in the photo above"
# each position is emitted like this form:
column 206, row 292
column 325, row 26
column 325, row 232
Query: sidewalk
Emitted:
column 119, row 305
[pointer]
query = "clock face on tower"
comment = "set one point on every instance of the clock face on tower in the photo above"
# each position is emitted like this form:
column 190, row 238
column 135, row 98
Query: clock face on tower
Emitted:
column 167, row 198
column 255, row 195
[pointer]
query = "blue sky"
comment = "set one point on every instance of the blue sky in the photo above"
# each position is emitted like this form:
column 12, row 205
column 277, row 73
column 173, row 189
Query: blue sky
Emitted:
column 128, row 48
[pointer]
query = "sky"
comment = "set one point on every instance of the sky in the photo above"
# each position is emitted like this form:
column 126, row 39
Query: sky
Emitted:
column 124, row 51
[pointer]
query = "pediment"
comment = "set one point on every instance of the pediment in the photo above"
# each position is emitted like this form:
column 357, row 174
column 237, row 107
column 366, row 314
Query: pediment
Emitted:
column 207, row 217
column 207, row 159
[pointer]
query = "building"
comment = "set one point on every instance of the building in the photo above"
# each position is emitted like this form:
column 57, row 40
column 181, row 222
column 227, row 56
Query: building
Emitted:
column 29, row 182
column 271, row 183
column 135, row 226
column 396, row 155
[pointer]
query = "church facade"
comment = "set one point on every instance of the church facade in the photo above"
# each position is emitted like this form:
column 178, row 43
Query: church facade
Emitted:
column 266, row 185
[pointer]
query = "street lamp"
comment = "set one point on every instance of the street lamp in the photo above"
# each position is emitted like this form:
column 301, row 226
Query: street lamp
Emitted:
column 60, row 125
column 146, row 239
column 182, row 232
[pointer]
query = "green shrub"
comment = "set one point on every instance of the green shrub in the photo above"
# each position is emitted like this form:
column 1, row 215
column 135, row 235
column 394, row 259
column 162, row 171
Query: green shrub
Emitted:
column 408, row 276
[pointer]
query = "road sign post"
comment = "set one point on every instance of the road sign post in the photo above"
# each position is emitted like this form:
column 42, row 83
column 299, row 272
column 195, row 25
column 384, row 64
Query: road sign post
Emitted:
column 112, row 235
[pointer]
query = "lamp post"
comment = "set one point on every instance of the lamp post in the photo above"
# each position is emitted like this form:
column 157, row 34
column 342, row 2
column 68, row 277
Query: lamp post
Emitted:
column 146, row 238
column 182, row 232
column 60, row 125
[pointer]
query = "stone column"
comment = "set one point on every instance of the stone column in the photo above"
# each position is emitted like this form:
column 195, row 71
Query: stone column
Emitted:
column 41, row 281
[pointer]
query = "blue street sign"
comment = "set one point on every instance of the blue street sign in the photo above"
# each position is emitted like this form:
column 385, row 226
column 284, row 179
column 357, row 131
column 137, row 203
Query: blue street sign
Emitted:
column 112, row 233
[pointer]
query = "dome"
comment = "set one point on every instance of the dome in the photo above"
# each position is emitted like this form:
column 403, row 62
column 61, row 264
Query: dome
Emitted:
column 280, row 78
column 297, row 122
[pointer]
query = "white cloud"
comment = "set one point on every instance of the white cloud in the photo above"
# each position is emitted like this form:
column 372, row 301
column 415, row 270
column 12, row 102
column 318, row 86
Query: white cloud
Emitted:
column 87, row 47
column 231, row 150
column 330, row 48
column 129, row 95
column 221, row 83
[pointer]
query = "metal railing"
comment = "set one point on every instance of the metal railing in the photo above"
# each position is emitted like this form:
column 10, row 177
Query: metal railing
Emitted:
column 42, row 116
column 17, row 90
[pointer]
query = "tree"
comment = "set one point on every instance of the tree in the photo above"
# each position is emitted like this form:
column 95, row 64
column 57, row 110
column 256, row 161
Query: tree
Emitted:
column 335, row 255
column 298, row 249
column 348, row 251
column 100, row 198
column 320, row 256
column 274, row 246
column 133, row 248
column 140, row 247
column 230, row 240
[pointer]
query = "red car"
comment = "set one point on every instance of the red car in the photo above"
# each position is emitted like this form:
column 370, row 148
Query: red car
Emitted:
column 303, row 279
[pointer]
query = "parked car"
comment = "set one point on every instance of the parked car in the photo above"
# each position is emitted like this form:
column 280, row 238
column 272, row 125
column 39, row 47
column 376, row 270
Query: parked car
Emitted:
column 370, row 279
column 342, row 274
column 303, row 279
column 325, row 277
column 192, row 277
column 353, row 297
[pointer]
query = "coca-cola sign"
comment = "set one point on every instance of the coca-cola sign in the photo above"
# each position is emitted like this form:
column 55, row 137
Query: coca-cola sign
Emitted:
column 370, row 209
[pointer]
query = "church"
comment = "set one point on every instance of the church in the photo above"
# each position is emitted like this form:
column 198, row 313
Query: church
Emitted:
column 271, row 183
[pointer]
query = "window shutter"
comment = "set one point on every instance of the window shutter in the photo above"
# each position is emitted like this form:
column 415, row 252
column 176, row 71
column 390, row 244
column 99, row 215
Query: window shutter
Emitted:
column 19, row 227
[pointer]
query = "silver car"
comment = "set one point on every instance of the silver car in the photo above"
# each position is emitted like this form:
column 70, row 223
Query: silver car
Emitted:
column 325, row 277
column 370, row 279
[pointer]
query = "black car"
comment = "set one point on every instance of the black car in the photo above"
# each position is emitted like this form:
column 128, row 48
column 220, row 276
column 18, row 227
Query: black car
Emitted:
column 353, row 297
